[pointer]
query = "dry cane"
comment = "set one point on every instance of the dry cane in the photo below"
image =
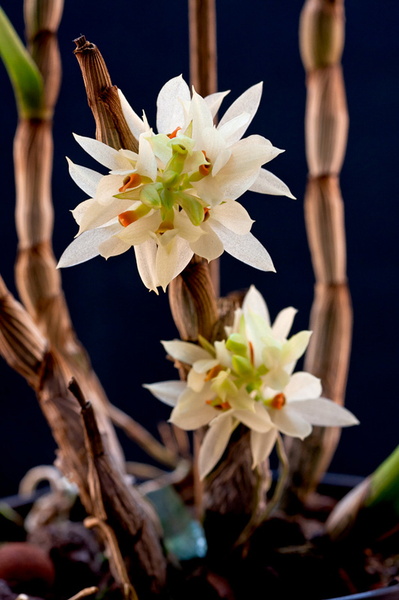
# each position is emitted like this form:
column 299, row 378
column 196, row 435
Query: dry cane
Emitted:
column 326, row 126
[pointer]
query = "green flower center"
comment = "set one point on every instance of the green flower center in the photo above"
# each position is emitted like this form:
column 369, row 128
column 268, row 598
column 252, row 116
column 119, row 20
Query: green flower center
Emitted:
column 173, row 186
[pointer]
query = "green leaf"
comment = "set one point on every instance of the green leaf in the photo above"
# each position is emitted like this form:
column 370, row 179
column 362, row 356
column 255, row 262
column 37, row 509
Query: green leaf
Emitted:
column 22, row 70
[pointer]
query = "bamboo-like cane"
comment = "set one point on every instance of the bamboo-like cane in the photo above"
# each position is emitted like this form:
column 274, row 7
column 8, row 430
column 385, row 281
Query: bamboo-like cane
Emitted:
column 326, row 126
column 38, row 281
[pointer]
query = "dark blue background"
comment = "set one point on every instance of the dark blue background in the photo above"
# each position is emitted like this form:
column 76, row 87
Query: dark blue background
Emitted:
column 118, row 320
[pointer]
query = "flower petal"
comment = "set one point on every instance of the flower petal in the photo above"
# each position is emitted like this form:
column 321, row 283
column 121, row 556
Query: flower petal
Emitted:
column 245, row 248
column 323, row 412
column 186, row 352
column 85, row 247
column 214, row 101
column 290, row 422
column 259, row 420
column 191, row 411
column 303, row 386
column 135, row 124
column 105, row 155
column 261, row 445
column 167, row 391
column 85, row 178
column 283, row 323
column 171, row 259
column 248, row 102
column 295, row 347
column 170, row 113
column 147, row 163
column 208, row 245
column 113, row 247
column 232, row 215
column 254, row 302
column 145, row 260
column 214, row 443
column 267, row 183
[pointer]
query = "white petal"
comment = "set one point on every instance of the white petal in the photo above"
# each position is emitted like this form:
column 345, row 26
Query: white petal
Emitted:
column 139, row 232
column 108, row 187
column 254, row 302
column 167, row 391
column 230, row 129
column 283, row 323
column 205, row 364
column 170, row 114
column 147, row 163
column 145, row 259
column 267, row 183
column 208, row 245
column 105, row 155
column 185, row 351
column 290, row 422
column 171, row 260
column 259, row 420
column 215, row 148
column 85, row 246
column 113, row 247
column 135, row 124
column 232, row 215
column 191, row 411
column 323, row 412
column 245, row 248
column 214, row 101
column 240, row 172
column 85, row 178
column 303, row 386
column 195, row 380
column 295, row 347
column 202, row 120
column 261, row 445
column 97, row 214
column 248, row 102
column 214, row 443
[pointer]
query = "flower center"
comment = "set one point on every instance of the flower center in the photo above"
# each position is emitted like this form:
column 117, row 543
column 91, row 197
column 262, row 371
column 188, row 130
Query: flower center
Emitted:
column 219, row 404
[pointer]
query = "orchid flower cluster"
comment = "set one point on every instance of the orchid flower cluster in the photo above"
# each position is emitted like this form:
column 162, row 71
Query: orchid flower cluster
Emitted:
column 248, row 379
column 176, row 196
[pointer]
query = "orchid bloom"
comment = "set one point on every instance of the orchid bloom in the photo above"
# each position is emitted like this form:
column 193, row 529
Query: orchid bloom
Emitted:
column 248, row 378
column 176, row 196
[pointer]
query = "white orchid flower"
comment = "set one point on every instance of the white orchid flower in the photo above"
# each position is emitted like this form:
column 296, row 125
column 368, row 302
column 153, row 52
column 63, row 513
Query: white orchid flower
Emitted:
column 248, row 379
column 177, row 196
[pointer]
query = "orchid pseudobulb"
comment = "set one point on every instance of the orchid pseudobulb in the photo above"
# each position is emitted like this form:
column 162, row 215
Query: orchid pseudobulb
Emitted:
column 176, row 196
column 248, row 378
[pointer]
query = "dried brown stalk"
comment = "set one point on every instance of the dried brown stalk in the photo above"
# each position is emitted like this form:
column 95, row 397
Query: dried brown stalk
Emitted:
column 133, row 535
column 103, row 99
column 203, row 69
column 326, row 127
column 38, row 281
column 44, row 348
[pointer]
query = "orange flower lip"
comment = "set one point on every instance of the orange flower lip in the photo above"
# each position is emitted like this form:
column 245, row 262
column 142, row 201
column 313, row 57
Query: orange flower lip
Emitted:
column 127, row 218
column 131, row 181
column 174, row 133
column 278, row 401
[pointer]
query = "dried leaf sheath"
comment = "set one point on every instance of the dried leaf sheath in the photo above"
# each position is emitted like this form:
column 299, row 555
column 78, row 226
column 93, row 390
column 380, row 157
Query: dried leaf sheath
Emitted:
column 326, row 127
column 103, row 99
